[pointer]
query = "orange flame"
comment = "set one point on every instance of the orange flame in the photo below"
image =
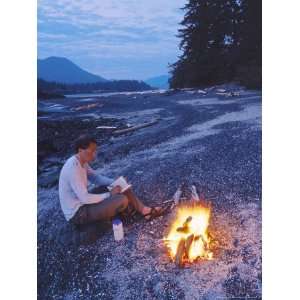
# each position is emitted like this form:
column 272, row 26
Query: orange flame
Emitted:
column 190, row 219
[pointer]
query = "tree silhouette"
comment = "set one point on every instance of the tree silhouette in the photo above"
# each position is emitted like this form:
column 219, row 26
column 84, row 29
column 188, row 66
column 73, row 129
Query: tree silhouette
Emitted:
column 220, row 42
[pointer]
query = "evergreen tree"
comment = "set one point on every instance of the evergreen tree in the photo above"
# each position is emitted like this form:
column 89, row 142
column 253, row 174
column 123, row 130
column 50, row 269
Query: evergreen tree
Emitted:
column 249, row 44
column 218, row 37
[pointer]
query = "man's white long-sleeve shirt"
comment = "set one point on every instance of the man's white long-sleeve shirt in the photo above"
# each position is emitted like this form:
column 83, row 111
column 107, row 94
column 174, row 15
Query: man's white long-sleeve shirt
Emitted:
column 73, row 181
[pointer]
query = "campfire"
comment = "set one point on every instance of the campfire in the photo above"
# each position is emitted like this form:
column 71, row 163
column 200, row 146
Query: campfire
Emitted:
column 188, row 239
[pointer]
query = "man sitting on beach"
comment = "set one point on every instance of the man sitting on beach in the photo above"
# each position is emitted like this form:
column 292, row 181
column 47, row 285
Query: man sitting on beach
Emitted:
column 81, row 206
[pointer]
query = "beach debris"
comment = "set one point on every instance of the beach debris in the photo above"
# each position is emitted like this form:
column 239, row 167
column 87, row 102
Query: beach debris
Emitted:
column 106, row 127
column 136, row 127
column 201, row 92
column 229, row 94
column 177, row 195
column 195, row 196
column 88, row 106
column 171, row 92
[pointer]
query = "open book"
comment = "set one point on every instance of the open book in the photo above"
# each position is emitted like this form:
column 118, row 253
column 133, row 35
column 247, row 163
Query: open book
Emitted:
column 121, row 181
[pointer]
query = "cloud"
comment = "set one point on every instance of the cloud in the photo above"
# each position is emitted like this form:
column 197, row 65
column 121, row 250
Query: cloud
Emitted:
column 50, row 36
column 110, row 29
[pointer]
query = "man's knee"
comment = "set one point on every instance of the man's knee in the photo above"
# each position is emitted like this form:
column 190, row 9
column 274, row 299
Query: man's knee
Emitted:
column 122, row 200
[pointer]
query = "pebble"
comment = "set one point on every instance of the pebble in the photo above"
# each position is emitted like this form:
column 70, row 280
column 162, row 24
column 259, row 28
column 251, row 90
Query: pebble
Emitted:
column 220, row 164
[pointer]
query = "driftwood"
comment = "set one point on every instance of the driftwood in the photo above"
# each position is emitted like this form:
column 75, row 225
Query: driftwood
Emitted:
column 88, row 106
column 180, row 252
column 185, row 243
column 106, row 127
column 204, row 242
column 187, row 221
column 188, row 244
column 168, row 201
column 133, row 128
column 228, row 94
column 197, row 237
column 185, row 226
column 183, row 229
column 181, row 200
column 183, row 249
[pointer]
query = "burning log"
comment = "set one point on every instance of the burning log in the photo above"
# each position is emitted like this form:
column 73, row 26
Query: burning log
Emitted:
column 188, row 239
column 187, row 221
column 204, row 242
column 197, row 237
column 180, row 252
column 185, row 226
column 205, row 245
column 183, row 249
column 183, row 229
column 188, row 244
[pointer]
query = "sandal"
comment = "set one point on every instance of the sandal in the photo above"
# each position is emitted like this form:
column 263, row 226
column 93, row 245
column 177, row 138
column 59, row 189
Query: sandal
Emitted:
column 154, row 213
column 128, row 216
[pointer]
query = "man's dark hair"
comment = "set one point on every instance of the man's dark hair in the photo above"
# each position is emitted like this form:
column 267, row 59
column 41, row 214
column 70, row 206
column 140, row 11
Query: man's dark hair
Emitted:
column 84, row 141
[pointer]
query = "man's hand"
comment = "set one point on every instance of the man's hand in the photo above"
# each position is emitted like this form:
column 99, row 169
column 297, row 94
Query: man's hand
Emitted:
column 116, row 190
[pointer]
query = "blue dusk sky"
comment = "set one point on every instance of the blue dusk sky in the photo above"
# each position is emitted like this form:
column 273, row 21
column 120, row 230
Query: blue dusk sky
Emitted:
column 116, row 39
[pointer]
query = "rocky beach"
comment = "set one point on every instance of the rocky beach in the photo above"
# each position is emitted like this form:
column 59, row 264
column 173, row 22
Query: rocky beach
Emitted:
column 209, row 137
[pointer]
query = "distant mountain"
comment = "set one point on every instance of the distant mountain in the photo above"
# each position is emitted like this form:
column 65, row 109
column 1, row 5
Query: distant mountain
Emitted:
column 160, row 82
column 63, row 70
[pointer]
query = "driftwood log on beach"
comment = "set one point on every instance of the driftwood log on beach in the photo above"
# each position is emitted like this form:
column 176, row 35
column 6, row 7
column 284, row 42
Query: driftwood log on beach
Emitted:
column 133, row 128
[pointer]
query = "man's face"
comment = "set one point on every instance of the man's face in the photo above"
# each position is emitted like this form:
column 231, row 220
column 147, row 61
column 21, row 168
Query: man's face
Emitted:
column 89, row 154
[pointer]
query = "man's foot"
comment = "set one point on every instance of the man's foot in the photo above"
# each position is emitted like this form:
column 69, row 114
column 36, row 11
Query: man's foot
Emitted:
column 146, row 210
column 150, row 213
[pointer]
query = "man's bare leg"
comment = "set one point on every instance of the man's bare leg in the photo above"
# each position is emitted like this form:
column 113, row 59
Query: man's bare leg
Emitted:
column 137, row 203
column 134, row 202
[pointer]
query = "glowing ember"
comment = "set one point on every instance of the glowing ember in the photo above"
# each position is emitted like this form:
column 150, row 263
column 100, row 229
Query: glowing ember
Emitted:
column 188, row 237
